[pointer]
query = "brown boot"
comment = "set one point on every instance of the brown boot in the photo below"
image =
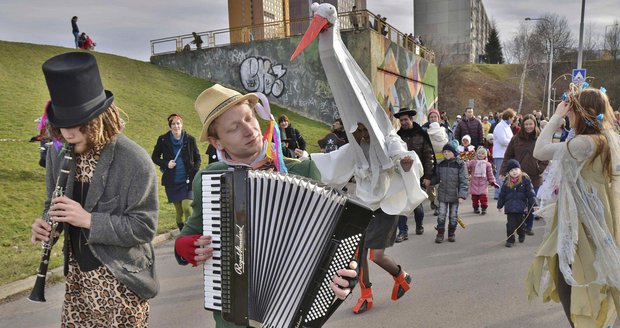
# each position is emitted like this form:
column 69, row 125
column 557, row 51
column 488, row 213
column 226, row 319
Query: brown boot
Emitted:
column 440, row 233
column 451, row 233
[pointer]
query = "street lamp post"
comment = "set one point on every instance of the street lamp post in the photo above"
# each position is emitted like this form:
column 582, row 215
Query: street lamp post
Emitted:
column 550, row 60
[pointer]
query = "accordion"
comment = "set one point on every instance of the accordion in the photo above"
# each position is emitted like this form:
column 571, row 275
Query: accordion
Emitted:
column 277, row 239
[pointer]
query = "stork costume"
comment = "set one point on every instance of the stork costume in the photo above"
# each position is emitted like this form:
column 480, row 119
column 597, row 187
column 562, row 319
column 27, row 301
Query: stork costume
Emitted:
column 381, row 182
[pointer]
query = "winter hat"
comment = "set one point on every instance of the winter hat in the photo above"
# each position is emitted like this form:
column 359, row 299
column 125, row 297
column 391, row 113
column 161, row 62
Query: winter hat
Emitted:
column 490, row 136
column 485, row 118
column 482, row 150
column 433, row 110
column 512, row 164
column 434, row 125
column 450, row 147
column 466, row 137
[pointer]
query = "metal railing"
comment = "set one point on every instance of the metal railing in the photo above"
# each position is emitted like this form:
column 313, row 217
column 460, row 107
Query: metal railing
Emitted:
column 349, row 21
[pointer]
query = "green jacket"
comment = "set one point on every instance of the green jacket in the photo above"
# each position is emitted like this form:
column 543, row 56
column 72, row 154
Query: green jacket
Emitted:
column 193, row 225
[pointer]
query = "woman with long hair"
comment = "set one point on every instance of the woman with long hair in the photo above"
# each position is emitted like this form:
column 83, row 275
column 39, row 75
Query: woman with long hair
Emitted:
column 581, row 198
column 178, row 157
column 521, row 148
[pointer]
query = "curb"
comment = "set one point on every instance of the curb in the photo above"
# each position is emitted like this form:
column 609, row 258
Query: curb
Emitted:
column 25, row 284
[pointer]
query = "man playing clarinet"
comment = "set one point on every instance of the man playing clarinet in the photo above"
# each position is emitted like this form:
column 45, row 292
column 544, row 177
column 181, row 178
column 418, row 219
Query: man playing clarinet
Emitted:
column 109, row 211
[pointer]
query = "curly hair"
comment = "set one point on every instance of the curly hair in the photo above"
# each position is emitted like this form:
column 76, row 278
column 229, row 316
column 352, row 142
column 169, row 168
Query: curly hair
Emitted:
column 100, row 130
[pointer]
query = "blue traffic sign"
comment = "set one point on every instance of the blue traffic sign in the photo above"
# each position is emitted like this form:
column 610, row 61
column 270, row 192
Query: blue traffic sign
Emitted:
column 579, row 75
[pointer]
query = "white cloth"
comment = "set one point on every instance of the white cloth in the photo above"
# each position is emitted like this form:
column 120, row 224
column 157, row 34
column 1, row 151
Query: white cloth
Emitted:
column 502, row 135
column 438, row 136
column 393, row 190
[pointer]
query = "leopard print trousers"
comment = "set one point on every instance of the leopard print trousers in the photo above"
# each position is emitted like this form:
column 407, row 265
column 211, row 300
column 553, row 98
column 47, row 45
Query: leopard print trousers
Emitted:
column 97, row 299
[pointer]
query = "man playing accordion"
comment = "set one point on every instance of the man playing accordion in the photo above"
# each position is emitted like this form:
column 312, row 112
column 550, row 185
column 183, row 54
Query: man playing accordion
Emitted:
column 231, row 126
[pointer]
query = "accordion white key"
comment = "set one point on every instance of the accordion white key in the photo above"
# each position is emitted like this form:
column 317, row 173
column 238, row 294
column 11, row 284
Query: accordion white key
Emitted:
column 278, row 239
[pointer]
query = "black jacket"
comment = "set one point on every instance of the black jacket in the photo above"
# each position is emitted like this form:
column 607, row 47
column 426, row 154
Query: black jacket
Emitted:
column 518, row 199
column 297, row 141
column 163, row 153
column 418, row 140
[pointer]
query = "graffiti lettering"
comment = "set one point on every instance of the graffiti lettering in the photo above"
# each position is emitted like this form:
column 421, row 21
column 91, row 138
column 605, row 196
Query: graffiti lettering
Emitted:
column 257, row 74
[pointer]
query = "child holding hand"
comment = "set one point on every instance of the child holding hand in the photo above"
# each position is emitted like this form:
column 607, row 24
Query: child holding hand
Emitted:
column 517, row 197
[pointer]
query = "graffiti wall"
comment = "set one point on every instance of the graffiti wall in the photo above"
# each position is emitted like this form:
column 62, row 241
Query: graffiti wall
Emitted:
column 402, row 79
column 399, row 78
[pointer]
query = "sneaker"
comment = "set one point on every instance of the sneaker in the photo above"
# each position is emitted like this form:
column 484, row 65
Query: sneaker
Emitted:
column 509, row 244
column 402, row 237
column 529, row 232
column 521, row 238
column 476, row 210
column 484, row 211
column 401, row 285
column 419, row 230
column 451, row 238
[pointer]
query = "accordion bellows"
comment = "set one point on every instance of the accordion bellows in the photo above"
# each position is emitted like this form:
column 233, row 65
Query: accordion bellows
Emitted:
column 278, row 240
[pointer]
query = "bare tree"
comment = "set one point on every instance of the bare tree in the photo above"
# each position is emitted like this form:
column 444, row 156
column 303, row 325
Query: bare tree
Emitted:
column 612, row 39
column 555, row 28
column 590, row 43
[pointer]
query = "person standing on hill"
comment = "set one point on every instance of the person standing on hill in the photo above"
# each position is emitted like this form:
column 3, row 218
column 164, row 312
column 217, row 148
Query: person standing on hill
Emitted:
column 471, row 126
column 76, row 31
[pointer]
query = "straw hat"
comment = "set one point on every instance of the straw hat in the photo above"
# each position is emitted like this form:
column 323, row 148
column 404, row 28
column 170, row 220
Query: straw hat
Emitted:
column 214, row 101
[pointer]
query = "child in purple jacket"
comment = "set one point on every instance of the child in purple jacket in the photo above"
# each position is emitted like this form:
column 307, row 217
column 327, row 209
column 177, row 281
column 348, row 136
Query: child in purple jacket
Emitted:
column 481, row 172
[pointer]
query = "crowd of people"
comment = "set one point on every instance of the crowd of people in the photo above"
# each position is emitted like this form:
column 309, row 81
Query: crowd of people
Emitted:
column 110, row 219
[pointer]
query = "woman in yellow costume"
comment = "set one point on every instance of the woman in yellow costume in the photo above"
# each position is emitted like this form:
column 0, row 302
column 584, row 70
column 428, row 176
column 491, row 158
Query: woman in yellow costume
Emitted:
column 578, row 263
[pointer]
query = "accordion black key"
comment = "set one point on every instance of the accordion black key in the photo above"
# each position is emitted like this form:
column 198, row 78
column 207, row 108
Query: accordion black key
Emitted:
column 278, row 239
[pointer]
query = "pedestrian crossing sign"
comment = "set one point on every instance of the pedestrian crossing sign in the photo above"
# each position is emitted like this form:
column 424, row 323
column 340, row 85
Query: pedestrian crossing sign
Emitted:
column 579, row 75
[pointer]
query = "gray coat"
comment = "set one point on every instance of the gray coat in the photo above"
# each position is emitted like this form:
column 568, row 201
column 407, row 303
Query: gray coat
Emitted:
column 122, row 199
column 453, row 183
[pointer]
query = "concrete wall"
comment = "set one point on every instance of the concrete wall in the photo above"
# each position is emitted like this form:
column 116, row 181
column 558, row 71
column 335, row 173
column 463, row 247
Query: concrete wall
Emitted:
column 400, row 79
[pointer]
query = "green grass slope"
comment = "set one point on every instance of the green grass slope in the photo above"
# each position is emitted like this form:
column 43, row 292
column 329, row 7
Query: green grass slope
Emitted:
column 146, row 92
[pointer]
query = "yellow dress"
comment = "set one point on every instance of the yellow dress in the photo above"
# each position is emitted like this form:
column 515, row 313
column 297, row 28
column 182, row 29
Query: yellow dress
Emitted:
column 592, row 305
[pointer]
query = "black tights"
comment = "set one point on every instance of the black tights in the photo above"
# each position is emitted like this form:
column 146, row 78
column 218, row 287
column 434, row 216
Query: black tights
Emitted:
column 564, row 292
column 385, row 262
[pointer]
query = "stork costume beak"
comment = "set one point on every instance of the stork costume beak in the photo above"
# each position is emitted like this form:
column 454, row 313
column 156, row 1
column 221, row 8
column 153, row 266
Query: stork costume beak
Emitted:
column 318, row 25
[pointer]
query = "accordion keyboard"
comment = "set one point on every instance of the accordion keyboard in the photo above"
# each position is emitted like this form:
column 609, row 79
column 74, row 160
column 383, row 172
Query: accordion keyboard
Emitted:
column 211, row 219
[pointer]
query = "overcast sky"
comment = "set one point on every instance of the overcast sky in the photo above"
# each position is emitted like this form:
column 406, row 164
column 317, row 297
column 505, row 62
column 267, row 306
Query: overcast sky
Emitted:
column 125, row 27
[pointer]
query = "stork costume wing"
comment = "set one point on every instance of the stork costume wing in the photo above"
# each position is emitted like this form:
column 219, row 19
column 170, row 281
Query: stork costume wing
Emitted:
column 380, row 179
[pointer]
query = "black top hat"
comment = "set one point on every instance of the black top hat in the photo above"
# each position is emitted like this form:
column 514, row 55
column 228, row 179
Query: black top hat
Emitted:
column 75, row 89
column 405, row 111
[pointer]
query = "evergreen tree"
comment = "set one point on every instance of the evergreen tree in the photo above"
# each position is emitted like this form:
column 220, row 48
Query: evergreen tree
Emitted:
column 493, row 49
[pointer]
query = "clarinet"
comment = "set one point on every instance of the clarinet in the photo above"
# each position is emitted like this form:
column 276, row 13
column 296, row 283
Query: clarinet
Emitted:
column 38, row 291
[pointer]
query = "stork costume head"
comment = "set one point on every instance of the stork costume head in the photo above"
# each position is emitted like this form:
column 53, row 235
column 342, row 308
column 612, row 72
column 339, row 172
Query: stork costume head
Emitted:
column 381, row 181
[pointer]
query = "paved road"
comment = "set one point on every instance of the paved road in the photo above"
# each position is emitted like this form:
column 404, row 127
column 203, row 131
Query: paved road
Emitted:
column 475, row 282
